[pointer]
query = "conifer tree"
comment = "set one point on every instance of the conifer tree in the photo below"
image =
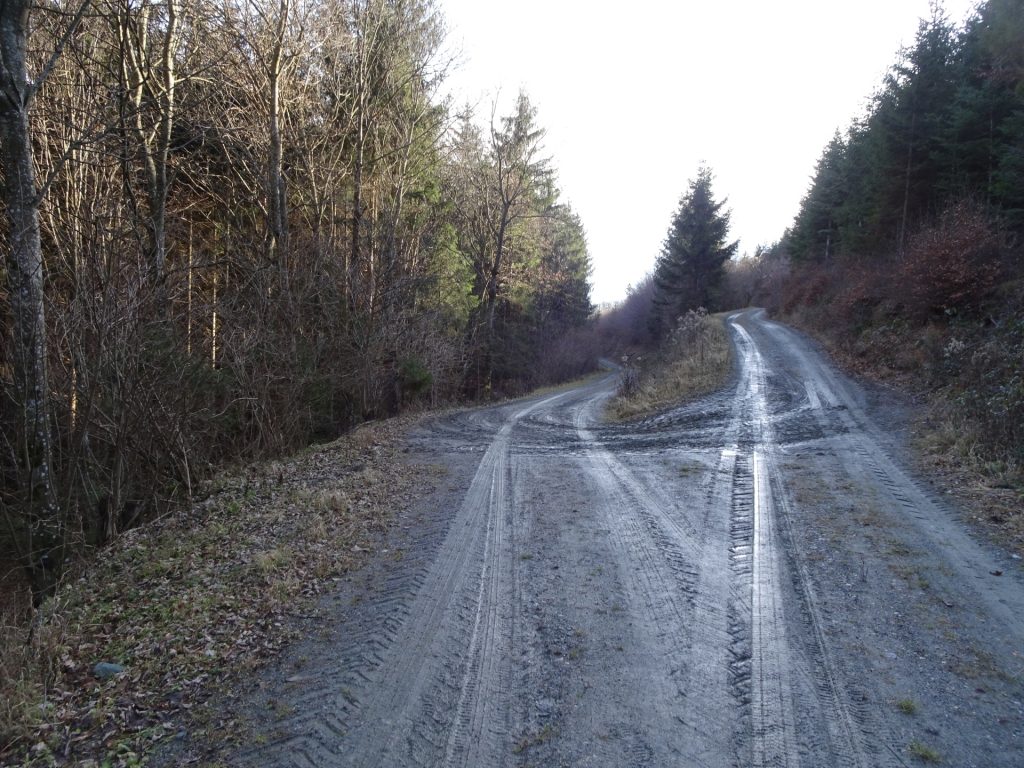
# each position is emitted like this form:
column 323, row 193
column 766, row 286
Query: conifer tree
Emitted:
column 691, row 266
column 814, row 233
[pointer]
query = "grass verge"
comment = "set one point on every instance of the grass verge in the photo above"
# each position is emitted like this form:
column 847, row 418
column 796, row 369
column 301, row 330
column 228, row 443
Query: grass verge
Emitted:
column 991, row 492
column 186, row 604
column 694, row 361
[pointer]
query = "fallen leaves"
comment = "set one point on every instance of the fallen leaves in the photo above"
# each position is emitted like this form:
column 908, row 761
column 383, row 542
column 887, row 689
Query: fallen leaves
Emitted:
column 188, row 603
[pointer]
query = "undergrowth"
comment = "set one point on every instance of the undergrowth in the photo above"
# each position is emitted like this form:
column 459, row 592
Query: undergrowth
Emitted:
column 952, row 337
column 695, row 359
column 189, row 602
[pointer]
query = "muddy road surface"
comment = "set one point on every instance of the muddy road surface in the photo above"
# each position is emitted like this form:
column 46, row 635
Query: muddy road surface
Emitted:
column 754, row 579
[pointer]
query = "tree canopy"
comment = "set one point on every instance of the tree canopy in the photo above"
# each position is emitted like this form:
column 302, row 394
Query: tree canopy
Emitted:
column 945, row 125
column 690, row 269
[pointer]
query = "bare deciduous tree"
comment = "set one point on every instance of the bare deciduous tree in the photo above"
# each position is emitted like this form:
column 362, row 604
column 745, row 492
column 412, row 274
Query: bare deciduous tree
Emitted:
column 148, row 36
column 21, row 196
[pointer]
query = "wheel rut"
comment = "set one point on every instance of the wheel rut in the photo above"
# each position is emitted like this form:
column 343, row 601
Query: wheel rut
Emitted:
column 622, row 595
column 775, row 704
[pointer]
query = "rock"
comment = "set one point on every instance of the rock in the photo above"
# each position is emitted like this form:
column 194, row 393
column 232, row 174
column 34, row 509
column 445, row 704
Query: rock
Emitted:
column 104, row 670
column 544, row 707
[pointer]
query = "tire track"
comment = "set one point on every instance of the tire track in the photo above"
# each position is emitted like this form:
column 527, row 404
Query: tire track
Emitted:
column 324, row 704
column 499, row 642
column 774, row 739
column 676, row 584
column 470, row 741
column 774, row 735
column 418, row 687
column 865, row 450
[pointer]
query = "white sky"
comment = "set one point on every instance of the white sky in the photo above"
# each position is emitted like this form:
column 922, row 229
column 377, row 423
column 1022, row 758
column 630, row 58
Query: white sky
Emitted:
column 635, row 95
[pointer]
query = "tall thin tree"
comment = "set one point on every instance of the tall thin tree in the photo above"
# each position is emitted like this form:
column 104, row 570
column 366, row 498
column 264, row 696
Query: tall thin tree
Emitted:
column 43, row 522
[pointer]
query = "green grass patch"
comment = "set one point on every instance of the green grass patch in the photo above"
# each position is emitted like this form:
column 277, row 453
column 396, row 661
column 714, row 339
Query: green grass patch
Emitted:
column 923, row 752
column 907, row 706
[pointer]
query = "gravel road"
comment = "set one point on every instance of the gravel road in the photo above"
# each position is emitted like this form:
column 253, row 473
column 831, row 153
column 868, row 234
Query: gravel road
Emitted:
column 754, row 579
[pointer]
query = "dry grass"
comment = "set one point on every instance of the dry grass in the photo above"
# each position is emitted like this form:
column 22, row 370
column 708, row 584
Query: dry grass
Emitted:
column 190, row 602
column 677, row 375
column 991, row 493
column 23, row 670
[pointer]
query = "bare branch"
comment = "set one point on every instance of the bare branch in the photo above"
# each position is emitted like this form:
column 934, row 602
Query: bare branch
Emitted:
column 57, row 51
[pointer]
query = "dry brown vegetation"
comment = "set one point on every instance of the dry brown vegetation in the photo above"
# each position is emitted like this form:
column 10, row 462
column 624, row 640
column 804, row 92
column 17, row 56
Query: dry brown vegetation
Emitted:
column 695, row 359
column 991, row 493
column 191, row 601
column 943, row 324
column 254, row 225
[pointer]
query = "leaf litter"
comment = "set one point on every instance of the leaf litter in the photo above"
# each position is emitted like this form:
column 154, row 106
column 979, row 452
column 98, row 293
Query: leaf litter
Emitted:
column 189, row 603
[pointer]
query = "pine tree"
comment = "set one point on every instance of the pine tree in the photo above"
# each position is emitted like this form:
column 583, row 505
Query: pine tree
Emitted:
column 814, row 233
column 562, row 299
column 691, row 267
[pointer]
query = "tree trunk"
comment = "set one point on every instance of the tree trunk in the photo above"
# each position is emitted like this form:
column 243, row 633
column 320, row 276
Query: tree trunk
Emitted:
column 275, row 181
column 153, row 147
column 492, row 293
column 357, row 188
column 906, row 188
column 41, row 520
column 161, row 184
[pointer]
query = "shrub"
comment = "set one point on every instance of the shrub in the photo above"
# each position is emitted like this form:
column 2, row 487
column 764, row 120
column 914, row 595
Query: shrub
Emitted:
column 414, row 378
column 694, row 360
column 806, row 287
column 950, row 265
column 991, row 385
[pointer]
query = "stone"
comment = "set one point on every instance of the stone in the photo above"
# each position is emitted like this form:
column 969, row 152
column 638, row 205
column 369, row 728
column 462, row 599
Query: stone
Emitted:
column 104, row 670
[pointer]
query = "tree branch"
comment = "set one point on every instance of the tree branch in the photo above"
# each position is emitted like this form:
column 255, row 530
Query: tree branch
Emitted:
column 52, row 62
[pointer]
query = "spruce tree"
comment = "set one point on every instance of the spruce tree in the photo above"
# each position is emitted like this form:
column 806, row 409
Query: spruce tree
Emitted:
column 691, row 266
column 814, row 236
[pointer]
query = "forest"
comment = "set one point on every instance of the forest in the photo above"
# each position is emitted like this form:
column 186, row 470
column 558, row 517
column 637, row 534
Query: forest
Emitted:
column 234, row 231
column 906, row 253
column 233, row 228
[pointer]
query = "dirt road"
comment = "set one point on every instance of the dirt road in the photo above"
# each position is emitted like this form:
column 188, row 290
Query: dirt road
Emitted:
column 754, row 579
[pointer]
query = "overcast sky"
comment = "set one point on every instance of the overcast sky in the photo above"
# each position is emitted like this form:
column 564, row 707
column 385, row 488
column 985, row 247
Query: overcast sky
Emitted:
column 635, row 95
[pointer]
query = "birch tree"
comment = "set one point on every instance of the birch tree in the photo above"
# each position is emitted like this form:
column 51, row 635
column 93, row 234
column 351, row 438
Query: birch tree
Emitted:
column 33, row 454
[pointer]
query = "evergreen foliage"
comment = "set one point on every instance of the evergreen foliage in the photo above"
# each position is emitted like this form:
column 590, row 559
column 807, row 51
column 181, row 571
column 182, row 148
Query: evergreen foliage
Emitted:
column 906, row 250
column 690, row 269
column 946, row 124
